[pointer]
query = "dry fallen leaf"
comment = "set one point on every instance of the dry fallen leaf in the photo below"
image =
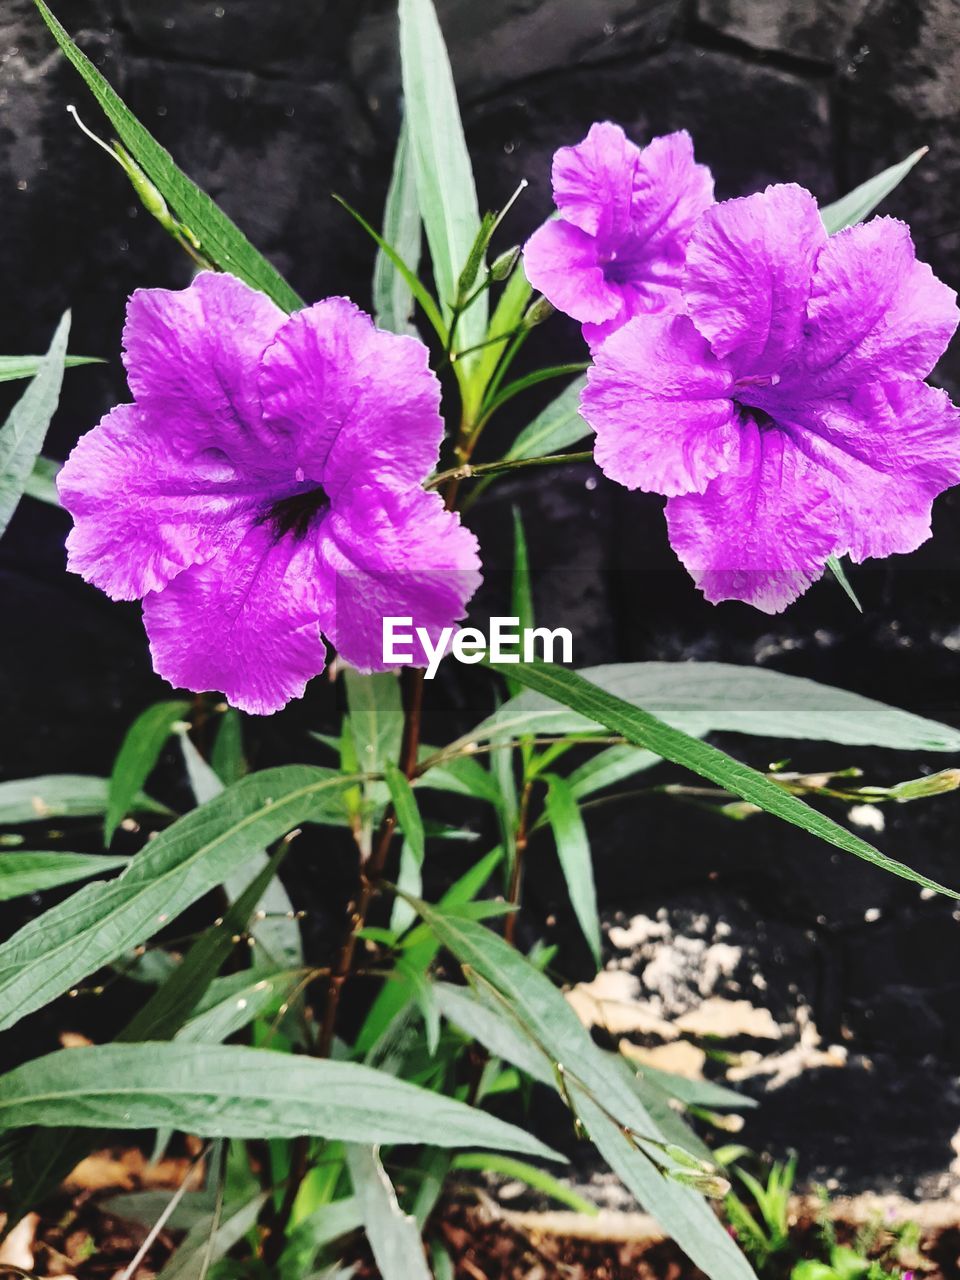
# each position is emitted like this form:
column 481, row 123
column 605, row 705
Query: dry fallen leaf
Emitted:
column 17, row 1248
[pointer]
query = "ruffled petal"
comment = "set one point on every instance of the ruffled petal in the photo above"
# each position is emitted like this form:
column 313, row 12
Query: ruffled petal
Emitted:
column 874, row 310
column 396, row 555
column 760, row 533
column 353, row 400
column 245, row 622
column 885, row 452
column 561, row 262
column 749, row 267
column 593, row 181
column 659, row 403
column 671, row 191
column 142, row 512
column 192, row 357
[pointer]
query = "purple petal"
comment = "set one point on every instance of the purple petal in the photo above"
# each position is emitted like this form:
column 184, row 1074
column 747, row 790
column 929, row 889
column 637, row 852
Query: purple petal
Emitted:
column 885, row 451
column 143, row 512
column 874, row 310
column 749, row 267
column 562, row 263
column 396, row 555
column 760, row 533
column 244, row 623
column 671, row 191
column 658, row 401
column 353, row 400
column 593, row 181
column 192, row 357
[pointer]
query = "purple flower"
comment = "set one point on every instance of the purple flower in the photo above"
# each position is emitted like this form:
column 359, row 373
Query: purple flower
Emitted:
column 617, row 248
column 264, row 487
column 784, row 416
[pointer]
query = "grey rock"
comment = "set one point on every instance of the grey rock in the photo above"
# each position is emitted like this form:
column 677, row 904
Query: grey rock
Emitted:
column 813, row 29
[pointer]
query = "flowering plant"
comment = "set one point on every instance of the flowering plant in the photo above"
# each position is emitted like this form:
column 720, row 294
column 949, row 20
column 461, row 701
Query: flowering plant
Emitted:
column 279, row 485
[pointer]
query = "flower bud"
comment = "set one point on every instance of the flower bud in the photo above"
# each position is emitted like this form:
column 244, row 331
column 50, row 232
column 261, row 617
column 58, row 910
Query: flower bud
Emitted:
column 711, row 1185
column 502, row 267
column 538, row 311
column 935, row 784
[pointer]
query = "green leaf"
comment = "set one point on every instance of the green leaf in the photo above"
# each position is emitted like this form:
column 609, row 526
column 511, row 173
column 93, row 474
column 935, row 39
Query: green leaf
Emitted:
column 640, row 727
column 41, row 483
column 44, row 1159
column 217, row 237
column 233, row 1002
column 208, row 1241
column 392, row 295
column 233, row 1091
column 393, row 1235
column 505, row 319
column 23, row 433
column 407, row 811
column 559, row 425
column 543, row 1014
column 227, row 758
column 461, row 775
column 138, row 755
column 23, row 873
column 13, row 368
column 702, row 697
column 441, row 164
column 60, row 795
column 573, row 850
column 508, row 1167
column 835, row 565
column 861, row 201
column 420, row 948
column 609, row 767
column 102, row 921
column 315, row 1232
column 376, row 718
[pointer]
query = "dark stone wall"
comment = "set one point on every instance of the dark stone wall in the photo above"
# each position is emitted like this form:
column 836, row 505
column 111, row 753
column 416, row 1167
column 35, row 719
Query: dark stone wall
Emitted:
column 271, row 107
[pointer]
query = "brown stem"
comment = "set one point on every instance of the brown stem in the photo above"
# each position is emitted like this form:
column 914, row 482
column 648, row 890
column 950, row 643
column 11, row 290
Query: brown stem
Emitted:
column 516, row 878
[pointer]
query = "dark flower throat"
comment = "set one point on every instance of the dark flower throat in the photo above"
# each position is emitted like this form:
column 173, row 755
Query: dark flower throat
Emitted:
column 295, row 514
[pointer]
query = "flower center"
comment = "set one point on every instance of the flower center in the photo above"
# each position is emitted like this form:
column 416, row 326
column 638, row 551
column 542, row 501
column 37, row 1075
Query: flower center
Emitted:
column 295, row 514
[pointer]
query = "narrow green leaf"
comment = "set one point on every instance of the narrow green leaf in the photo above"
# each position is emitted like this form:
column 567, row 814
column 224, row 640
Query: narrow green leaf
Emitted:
column 233, row 1091
column 559, row 425
column 315, row 1232
column 23, row 433
column 393, row 1235
column 41, row 483
column 703, row 697
column 218, row 238
column 441, row 164
column 859, row 203
column 420, row 949
column 407, row 810
column 506, row 316
column 102, row 921
column 233, row 1002
column 138, row 755
column 573, row 850
column 208, row 1241
column 835, row 565
column 519, row 385
column 376, row 718
column 609, row 767
column 538, row 1179
column 60, row 795
column 427, row 303
column 462, row 775
column 227, row 758
column 12, row 368
column 596, row 704
column 23, row 873
column 392, row 296
column 541, row 1012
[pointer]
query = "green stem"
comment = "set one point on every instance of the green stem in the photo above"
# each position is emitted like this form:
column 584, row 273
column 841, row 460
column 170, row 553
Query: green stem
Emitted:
column 469, row 470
